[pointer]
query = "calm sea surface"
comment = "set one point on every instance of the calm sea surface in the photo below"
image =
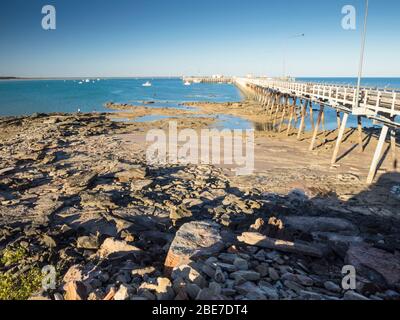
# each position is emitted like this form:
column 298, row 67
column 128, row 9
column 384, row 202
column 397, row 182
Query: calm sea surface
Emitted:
column 24, row 97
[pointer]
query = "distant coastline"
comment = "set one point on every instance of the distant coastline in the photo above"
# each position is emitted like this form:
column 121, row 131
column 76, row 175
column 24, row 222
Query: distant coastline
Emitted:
column 10, row 78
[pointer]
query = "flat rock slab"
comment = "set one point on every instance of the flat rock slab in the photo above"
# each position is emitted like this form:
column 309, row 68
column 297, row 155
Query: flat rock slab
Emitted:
column 131, row 174
column 6, row 170
column 193, row 240
column 91, row 222
column 259, row 240
column 365, row 258
column 318, row 224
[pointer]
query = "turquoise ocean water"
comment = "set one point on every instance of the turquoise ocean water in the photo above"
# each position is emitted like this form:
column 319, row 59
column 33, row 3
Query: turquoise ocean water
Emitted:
column 24, row 97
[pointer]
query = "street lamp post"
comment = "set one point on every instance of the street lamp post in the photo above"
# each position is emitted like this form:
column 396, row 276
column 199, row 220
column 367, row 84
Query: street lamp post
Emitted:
column 361, row 65
column 285, row 49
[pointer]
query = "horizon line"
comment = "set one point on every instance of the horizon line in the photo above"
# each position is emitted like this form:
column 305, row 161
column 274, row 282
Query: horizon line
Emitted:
column 171, row 77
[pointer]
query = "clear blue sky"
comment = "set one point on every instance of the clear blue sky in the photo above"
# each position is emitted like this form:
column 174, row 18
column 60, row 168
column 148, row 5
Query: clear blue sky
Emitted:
column 185, row 37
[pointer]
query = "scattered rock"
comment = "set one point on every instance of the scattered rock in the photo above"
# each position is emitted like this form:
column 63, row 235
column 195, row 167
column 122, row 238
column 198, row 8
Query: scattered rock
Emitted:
column 241, row 264
column 75, row 290
column 114, row 249
column 246, row 275
column 143, row 271
column 87, row 242
column 261, row 241
column 193, row 240
column 273, row 274
column 192, row 290
column 318, row 224
column 70, row 181
column 375, row 263
column 301, row 279
column 163, row 289
column 352, row 295
column 122, row 293
column 206, row 295
column 333, row 287
column 133, row 173
column 49, row 241
column 189, row 274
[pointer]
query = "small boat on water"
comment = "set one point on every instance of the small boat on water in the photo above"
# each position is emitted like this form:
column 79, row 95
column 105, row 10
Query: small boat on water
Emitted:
column 147, row 84
column 187, row 83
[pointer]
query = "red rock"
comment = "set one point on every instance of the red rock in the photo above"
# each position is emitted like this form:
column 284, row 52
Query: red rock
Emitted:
column 75, row 290
column 364, row 258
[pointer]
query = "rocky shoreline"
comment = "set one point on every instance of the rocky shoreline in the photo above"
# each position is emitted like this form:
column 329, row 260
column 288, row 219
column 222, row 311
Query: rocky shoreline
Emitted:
column 75, row 197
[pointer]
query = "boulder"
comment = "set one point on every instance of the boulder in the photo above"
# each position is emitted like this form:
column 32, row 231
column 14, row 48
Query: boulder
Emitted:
column 373, row 262
column 194, row 240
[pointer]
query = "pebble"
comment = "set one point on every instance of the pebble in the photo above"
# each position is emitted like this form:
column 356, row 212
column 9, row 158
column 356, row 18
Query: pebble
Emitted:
column 262, row 269
column 273, row 274
column 331, row 286
column 192, row 290
column 219, row 276
column 352, row 295
column 246, row 275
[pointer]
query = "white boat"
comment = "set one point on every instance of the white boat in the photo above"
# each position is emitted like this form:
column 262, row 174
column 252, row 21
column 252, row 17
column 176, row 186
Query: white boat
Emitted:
column 147, row 84
column 187, row 83
column 87, row 80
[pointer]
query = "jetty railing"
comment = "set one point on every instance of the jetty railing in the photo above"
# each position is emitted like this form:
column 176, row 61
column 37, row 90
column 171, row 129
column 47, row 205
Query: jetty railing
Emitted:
column 378, row 104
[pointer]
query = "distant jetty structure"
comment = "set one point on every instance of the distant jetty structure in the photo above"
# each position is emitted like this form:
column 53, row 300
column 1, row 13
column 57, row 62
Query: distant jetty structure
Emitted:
column 210, row 79
column 287, row 101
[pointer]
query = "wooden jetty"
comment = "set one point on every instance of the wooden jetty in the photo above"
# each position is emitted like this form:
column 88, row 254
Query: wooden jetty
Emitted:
column 291, row 101
column 380, row 105
column 212, row 79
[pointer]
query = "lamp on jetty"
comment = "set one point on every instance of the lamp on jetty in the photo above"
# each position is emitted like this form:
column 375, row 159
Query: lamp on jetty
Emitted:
column 285, row 49
column 357, row 109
